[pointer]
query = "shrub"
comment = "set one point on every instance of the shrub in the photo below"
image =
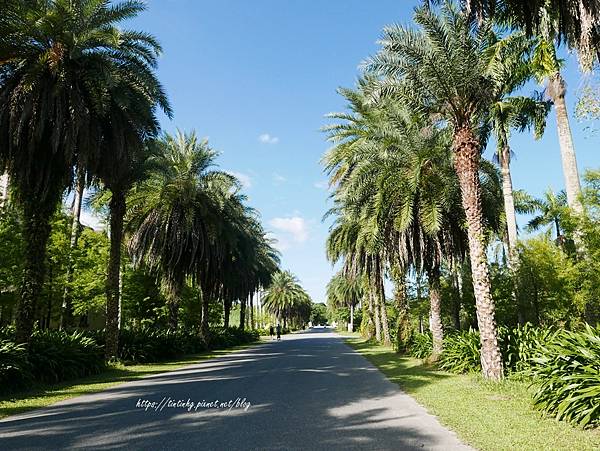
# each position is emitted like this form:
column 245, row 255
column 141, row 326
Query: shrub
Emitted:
column 520, row 345
column 421, row 345
column 154, row 345
column 15, row 369
column 52, row 356
column 56, row 356
column 566, row 376
column 233, row 336
column 461, row 352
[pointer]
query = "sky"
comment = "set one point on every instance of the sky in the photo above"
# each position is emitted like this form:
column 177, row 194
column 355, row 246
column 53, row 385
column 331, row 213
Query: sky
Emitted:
column 258, row 77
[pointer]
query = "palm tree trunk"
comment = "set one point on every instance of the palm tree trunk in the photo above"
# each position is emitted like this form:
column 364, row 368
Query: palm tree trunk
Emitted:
column 48, row 318
column 511, row 226
column 173, row 315
column 4, row 182
column 66, row 314
column 226, row 312
column 435, row 312
column 368, row 315
column 36, row 230
column 458, row 301
column 403, row 326
column 467, row 154
column 351, row 317
column 557, row 91
column 251, row 311
column 242, row 313
column 204, row 326
column 387, row 340
column 377, row 311
column 117, row 213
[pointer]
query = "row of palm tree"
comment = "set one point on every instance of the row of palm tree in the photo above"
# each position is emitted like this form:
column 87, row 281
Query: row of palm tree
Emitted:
column 287, row 300
column 79, row 98
column 410, row 189
column 77, row 94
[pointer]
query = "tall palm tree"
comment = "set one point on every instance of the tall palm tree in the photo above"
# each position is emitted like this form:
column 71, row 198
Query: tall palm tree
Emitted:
column 174, row 212
column 345, row 291
column 510, row 112
column 61, row 63
column 398, row 171
column 513, row 112
column 547, row 66
column 443, row 71
column 66, row 314
column 550, row 210
column 249, row 259
column 358, row 242
column 285, row 298
column 574, row 22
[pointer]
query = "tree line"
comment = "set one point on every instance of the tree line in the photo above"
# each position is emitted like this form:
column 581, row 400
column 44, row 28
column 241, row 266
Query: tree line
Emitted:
column 414, row 199
column 79, row 105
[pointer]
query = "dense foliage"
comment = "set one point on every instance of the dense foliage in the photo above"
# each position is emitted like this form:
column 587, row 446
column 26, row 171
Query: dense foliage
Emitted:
column 55, row 356
column 562, row 366
column 416, row 203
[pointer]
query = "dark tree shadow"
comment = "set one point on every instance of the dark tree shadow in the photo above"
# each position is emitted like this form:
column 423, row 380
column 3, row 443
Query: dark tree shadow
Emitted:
column 309, row 391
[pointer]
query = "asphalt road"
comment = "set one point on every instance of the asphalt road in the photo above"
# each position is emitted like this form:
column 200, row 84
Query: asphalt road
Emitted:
column 309, row 391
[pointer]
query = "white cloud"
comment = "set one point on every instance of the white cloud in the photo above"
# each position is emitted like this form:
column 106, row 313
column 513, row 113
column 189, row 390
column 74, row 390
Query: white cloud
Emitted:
column 322, row 184
column 278, row 178
column 295, row 227
column 244, row 179
column 266, row 138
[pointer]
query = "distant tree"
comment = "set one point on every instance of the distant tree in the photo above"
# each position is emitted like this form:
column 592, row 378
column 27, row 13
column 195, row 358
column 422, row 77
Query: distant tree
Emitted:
column 318, row 314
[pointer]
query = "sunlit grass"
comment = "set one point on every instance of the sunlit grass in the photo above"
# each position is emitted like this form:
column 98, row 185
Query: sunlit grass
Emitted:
column 44, row 395
column 487, row 416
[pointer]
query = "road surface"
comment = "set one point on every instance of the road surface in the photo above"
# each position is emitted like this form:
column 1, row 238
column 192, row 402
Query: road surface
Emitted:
column 309, row 391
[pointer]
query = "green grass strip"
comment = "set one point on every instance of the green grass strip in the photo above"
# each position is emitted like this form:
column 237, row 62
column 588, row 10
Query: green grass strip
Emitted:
column 485, row 415
column 44, row 395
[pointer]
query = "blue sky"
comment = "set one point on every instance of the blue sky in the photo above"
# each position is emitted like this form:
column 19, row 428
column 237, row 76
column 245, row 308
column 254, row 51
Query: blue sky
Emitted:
column 257, row 77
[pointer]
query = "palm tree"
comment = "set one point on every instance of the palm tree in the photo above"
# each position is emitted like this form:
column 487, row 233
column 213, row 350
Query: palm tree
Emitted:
column 285, row 298
column 345, row 291
column 510, row 112
column 66, row 314
column 547, row 67
column 574, row 22
column 64, row 64
column 398, row 171
column 550, row 210
column 249, row 259
column 443, row 71
column 514, row 112
column 358, row 242
column 174, row 212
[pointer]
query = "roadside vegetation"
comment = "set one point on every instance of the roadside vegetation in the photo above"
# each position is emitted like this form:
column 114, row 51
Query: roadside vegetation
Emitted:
column 487, row 279
column 490, row 416
column 178, row 254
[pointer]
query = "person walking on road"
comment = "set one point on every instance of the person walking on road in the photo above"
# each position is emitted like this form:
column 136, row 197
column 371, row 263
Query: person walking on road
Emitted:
column 271, row 332
column 278, row 332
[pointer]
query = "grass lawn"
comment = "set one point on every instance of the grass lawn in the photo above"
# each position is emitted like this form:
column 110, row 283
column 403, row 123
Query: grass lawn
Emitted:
column 486, row 416
column 44, row 395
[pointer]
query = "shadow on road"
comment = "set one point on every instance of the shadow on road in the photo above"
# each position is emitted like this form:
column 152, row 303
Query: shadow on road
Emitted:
column 308, row 391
